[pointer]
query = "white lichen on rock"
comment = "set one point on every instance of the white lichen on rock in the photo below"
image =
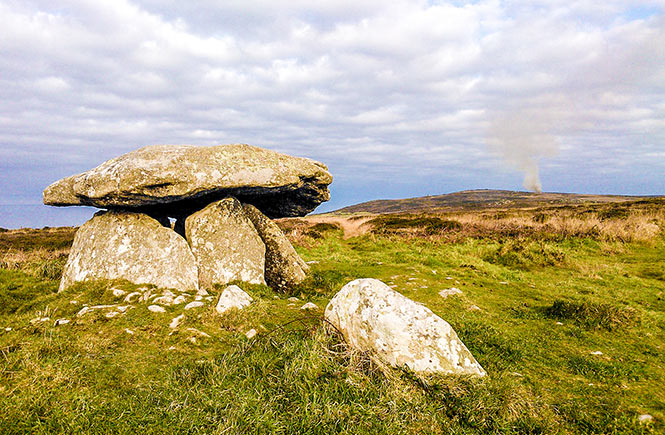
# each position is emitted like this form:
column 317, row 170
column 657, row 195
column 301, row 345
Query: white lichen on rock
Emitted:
column 373, row 317
column 225, row 244
column 131, row 246
column 233, row 297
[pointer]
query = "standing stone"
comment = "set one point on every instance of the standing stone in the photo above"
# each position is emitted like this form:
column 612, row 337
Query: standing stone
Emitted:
column 131, row 246
column 373, row 317
column 225, row 244
column 284, row 267
column 176, row 180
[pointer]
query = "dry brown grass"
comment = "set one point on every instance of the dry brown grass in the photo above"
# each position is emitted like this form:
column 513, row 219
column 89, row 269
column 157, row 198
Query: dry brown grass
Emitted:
column 634, row 227
column 22, row 259
column 640, row 221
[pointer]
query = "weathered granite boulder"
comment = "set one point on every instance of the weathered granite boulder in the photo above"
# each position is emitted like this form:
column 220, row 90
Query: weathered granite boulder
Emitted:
column 232, row 297
column 177, row 180
column 284, row 268
column 131, row 246
column 225, row 244
column 373, row 317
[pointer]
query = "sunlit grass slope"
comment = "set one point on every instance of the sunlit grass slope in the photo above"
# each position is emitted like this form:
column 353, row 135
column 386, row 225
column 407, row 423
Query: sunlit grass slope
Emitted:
column 569, row 326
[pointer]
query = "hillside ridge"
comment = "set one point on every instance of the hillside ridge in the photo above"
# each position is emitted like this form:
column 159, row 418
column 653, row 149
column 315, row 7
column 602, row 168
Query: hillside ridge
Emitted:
column 481, row 198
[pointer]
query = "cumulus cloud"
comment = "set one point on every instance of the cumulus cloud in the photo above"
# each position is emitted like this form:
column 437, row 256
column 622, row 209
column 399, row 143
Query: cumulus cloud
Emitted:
column 450, row 95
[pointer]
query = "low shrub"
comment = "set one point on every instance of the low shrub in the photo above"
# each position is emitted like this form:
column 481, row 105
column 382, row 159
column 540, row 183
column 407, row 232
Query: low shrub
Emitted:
column 427, row 224
column 318, row 231
column 592, row 314
column 524, row 254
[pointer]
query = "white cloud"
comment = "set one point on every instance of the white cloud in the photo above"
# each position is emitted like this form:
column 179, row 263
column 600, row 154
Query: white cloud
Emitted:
column 368, row 87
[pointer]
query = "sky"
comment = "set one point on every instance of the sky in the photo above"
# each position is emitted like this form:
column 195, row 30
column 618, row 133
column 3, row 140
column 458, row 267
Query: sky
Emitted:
column 399, row 98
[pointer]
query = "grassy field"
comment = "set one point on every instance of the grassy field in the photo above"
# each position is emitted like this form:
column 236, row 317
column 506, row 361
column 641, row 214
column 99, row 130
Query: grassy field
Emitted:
column 563, row 306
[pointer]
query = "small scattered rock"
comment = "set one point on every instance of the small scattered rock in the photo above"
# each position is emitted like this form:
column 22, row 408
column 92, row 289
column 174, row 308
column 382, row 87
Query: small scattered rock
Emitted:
column 73, row 302
column 163, row 300
column 251, row 333
column 8, row 329
column 156, row 309
column 293, row 299
column 61, row 322
column 129, row 331
column 133, row 297
column 312, row 262
column 176, row 321
column 194, row 304
column 434, row 272
column 118, row 293
column 39, row 320
column 180, row 299
column 172, row 348
column 87, row 309
column 596, row 352
column 645, row 418
column 145, row 297
column 450, row 292
column 503, row 282
column 449, row 277
column 232, row 297
column 558, row 323
column 474, row 308
column 309, row 306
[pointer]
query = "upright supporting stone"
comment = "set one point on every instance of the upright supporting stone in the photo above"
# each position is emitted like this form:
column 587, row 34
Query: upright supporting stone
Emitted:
column 131, row 246
column 225, row 244
column 284, row 267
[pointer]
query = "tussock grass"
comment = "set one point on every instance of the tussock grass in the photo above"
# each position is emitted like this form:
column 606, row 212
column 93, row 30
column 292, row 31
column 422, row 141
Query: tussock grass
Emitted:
column 593, row 314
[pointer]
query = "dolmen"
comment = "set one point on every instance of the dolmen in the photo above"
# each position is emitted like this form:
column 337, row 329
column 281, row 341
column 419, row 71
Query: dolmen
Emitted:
column 222, row 200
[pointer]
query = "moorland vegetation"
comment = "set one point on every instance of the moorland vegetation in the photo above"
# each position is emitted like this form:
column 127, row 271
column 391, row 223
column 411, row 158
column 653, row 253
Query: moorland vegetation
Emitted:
column 564, row 306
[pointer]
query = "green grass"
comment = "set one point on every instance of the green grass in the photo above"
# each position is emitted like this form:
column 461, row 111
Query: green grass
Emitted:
column 570, row 331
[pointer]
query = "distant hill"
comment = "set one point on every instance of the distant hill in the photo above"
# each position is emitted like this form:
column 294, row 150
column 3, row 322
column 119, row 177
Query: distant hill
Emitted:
column 479, row 199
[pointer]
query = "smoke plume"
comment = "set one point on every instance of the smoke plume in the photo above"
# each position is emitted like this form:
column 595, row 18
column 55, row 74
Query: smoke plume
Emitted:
column 522, row 138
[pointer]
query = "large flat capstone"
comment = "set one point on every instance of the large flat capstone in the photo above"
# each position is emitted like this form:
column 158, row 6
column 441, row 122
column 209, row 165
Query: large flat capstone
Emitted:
column 131, row 246
column 373, row 317
column 177, row 180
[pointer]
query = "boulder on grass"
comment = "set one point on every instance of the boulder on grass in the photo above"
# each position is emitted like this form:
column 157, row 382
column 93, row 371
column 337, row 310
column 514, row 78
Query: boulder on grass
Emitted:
column 225, row 244
column 373, row 317
column 131, row 246
column 284, row 268
column 232, row 297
